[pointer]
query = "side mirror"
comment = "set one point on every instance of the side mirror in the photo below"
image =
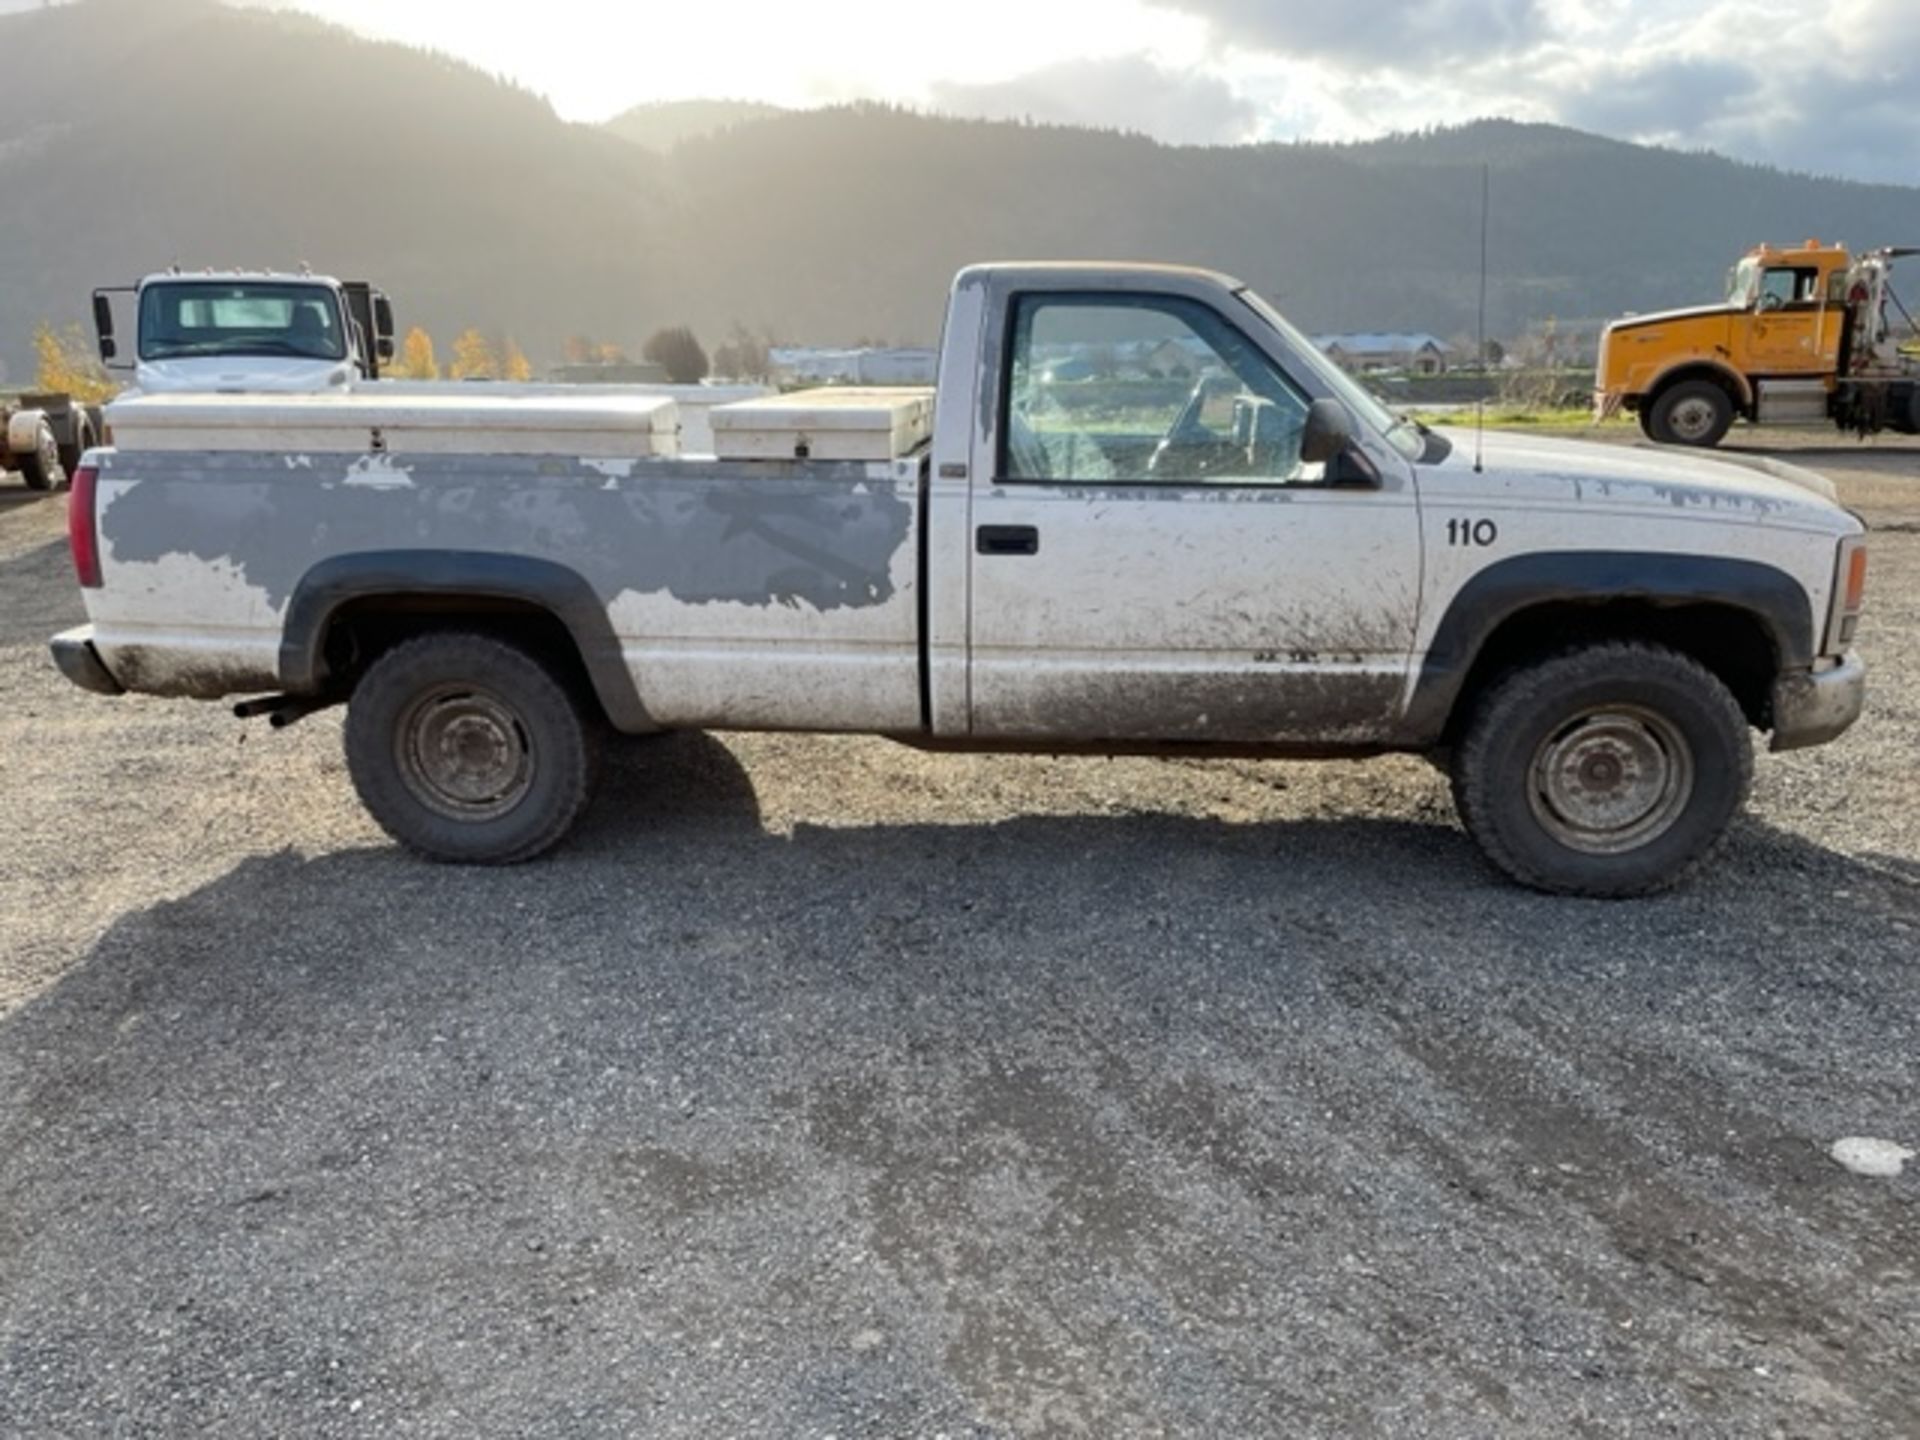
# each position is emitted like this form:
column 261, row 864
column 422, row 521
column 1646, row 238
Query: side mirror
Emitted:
column 383, row 347
column 1328, row 434
column 103, row 326
column 383, row 323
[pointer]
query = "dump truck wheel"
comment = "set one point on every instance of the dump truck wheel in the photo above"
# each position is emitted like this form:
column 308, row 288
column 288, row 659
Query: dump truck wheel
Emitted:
column 41, row 467
column 1694, row 412
column 83, row 441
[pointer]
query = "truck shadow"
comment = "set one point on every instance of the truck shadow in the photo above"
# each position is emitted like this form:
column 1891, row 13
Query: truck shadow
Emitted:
column 674, row 855
column 42, row 595
column 997, row 1059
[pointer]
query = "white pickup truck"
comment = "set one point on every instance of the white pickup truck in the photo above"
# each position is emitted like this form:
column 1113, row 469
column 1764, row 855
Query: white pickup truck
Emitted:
column 1139, row 514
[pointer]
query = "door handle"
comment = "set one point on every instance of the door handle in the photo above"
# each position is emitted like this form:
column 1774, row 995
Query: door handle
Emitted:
column 1007, row 540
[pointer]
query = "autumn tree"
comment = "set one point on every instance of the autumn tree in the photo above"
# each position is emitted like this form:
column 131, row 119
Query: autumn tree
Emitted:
column 417, row 361
column 585, row 350
column 474, row 358
column 66, row 365
column 513, row 362
column 677, row 352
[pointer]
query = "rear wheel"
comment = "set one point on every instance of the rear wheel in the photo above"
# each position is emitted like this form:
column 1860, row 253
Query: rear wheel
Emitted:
column 1694, row 412
column 1610, row 771
column 83, row 441
column 468, row 749
column 40, row 467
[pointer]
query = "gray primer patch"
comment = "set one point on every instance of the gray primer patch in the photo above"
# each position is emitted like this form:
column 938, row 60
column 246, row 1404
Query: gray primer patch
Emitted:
column 821, row 534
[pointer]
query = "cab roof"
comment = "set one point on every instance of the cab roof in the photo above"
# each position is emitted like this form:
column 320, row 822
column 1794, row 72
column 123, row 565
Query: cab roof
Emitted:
column 272, row 277
column 1125, row 274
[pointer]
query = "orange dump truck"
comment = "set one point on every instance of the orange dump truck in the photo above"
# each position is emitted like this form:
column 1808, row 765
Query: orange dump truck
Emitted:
column 1808, row 335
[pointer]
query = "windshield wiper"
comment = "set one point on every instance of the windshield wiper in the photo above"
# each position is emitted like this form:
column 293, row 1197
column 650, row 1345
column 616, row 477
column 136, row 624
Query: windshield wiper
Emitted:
column 280, row 347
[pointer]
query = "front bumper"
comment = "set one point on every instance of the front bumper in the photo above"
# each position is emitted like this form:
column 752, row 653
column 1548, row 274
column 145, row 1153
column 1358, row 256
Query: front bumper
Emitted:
column 1607, row 404
column 1811, row 707
column 73, row 652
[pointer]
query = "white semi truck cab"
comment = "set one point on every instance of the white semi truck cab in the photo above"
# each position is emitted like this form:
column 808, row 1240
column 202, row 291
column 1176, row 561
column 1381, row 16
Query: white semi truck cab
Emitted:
column 232, row 332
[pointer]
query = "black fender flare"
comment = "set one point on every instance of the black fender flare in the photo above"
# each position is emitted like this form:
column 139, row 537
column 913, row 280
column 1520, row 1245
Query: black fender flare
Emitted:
column 1596, row 577
column 561, row 592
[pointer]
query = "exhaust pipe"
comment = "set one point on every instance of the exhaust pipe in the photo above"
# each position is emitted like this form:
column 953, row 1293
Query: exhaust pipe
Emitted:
column 282, row 710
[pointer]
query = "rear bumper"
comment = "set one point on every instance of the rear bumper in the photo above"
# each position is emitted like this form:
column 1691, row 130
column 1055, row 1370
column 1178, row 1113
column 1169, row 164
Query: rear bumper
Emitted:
column 1607, row 404
column 73, row 652
column 1813, row 707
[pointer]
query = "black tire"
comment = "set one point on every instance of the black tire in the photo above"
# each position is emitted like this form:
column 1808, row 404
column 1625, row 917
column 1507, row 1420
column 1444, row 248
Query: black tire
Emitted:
column 1609, row 771
column 83, row 441
column 41, row 467
column 468, row 749
column 1694, row 412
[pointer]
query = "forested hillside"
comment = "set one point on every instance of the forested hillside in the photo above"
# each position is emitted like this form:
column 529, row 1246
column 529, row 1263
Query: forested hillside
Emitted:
column 136, row 133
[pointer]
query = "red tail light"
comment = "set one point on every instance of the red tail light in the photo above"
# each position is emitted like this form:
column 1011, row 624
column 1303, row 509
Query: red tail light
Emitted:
column 83, row 534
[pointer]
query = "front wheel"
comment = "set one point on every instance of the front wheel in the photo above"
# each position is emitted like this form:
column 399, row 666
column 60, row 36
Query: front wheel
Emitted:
column 468, row 749
column 1610, row 771
column 1696, row 412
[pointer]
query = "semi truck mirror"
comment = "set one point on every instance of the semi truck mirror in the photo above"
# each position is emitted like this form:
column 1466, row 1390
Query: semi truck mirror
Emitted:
column 383, row 324
column 103, row 326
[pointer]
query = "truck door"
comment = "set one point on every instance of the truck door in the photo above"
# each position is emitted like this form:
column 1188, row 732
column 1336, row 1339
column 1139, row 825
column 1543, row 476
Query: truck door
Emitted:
column 1786, row 336
column 1152, row 561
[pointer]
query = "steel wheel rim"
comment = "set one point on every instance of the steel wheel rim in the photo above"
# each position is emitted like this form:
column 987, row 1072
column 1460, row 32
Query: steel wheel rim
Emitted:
column 1611, row 779
column 1693, row 419
column 464, row 753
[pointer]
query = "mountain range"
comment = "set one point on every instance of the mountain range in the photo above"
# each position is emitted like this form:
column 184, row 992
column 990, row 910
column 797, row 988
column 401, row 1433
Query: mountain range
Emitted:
column 267, row 139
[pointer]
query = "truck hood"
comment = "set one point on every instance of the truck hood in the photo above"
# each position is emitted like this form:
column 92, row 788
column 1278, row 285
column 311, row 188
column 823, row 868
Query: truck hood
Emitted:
column 241, row 374
column 1589, row 472
column 1663, row 317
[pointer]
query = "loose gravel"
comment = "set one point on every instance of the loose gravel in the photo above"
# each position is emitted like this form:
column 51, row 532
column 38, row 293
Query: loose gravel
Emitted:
column 822, row 1088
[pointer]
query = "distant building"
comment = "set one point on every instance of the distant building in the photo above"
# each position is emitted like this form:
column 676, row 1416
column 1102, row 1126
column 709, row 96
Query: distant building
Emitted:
column 872, row 365
column 1367, row 352
column 624, row 372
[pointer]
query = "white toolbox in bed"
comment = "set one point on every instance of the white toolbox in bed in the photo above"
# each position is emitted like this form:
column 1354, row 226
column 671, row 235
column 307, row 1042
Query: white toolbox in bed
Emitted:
column 472, row 422
column 832, row 424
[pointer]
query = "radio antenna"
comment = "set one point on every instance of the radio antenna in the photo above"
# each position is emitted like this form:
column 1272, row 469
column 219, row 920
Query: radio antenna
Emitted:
column 1480, row 405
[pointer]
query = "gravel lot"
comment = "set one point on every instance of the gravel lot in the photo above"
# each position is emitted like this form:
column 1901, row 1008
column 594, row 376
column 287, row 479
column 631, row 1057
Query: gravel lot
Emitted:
column 820, row 1088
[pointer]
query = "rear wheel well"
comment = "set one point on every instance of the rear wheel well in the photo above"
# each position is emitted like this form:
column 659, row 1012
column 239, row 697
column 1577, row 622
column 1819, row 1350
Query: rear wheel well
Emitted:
column 363, row 629
column 1734, row 644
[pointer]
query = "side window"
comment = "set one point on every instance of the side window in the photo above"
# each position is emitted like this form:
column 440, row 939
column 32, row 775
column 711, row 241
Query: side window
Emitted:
column 1782, row 287
column 1106, row 388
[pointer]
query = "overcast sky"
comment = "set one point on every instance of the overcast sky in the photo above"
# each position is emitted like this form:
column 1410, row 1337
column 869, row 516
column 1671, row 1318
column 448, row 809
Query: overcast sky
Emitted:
column 1831, row 86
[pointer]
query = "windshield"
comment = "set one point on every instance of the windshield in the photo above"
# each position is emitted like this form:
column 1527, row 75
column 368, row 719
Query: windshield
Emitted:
column 180, row 319
column 1740, row 283
column 1396, row 430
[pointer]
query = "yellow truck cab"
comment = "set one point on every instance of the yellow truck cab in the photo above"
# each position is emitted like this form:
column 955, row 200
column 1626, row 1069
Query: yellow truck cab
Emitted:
column 1804, row 336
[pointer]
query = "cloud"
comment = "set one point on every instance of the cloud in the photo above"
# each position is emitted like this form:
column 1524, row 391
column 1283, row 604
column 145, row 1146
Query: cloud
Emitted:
column 1402, row 33
column 1832, row 89
column 1665, row 100
column 1129, row 92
